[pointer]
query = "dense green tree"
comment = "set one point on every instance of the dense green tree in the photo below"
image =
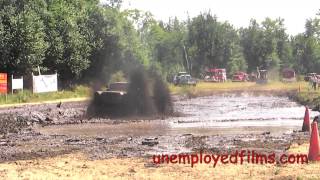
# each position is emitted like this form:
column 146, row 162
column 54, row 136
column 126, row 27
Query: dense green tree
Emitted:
column 306, row 48
column 212, row 43
column 22, row 37
column 267, row 45
column 84, row 40
column 69, row 36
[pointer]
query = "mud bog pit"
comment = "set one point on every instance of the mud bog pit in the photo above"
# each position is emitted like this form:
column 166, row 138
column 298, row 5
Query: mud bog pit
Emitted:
column 212, row 115
column 212, row 124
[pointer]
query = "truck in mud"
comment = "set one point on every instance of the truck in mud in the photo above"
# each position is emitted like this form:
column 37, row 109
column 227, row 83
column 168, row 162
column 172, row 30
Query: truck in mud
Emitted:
column 113, row 100
column 183, row 78
column 142, row 95
column 115, row 94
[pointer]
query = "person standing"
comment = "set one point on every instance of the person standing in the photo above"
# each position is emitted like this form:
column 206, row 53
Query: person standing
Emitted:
column 314, row 82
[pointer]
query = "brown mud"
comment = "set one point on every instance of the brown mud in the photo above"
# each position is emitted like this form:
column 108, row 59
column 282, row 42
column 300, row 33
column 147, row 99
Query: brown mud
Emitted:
column 216, row 123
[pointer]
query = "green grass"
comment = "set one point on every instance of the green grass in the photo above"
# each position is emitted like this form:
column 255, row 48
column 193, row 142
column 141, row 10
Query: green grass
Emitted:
column 310, row 98
column 28, row 97
column 204, row 87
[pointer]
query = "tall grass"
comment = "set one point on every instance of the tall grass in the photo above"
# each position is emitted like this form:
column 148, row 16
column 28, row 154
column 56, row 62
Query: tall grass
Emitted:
column 27, row 96
column 232, row 86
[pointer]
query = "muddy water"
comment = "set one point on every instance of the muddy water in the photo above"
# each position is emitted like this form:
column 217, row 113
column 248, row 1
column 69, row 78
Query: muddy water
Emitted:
column 240, row 111
column 211, row 115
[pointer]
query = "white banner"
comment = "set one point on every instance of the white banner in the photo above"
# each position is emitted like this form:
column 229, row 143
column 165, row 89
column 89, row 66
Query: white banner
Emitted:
column 45, row 83
column 17, row 83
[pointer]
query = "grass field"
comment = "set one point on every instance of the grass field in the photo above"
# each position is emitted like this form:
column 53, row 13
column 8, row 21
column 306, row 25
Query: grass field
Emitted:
column 204, row 87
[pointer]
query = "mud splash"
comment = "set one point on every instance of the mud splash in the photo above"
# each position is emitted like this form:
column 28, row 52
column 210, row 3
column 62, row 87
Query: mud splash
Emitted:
column 147, row 95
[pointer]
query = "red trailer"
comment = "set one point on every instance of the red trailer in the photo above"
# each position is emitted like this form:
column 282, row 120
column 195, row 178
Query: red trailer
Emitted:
column 216, row 75
column 288, row 75
column 240, row 77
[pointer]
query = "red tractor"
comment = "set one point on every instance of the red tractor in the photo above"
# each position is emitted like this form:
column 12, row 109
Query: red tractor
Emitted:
column 240, row 77
column 216, row 75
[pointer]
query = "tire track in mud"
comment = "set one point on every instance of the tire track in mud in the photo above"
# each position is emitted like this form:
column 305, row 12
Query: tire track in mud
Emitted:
column 29, row 143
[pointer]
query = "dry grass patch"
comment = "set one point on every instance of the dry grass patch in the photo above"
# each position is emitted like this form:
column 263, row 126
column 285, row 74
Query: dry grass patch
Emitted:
column 77, row 166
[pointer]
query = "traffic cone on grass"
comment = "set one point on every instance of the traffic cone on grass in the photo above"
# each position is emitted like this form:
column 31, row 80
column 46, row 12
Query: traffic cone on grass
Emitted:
column 306, row 121
column 314, row 148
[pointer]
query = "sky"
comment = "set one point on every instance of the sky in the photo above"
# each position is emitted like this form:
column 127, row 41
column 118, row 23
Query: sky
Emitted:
column 236, row 12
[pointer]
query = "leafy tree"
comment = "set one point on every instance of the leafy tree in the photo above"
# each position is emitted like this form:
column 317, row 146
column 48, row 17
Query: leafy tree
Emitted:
column 306, row 48
column 212, row 43
column 22, row 37
column 266, row 45
column 118, row 44
column 69, row 37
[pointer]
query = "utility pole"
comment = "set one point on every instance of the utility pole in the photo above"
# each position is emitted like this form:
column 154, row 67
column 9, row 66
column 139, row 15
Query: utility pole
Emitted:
column 186, row 55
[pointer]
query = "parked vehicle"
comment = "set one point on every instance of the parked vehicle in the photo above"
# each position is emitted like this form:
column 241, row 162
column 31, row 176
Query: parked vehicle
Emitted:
column 253, row 77
column 308, row 76
column 288, row 75
column 240, row 77
column 183, row 78
column 216, row 75
column 262, row 77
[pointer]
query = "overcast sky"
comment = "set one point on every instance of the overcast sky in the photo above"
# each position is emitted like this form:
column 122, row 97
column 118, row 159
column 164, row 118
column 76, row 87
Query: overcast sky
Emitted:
column 237, row 12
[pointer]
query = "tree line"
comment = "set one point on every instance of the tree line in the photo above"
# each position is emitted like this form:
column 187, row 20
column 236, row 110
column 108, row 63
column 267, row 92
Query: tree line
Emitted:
column 84, row 41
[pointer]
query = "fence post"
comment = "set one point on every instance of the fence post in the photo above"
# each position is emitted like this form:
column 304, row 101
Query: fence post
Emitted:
column 32, row 83
column 22, row 83
column 11, row 83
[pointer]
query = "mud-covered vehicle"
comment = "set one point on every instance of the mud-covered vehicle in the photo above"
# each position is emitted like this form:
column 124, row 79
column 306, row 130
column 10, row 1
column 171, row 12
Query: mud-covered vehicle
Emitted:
column 113, row 100
column 142, row 96
column 116, row 94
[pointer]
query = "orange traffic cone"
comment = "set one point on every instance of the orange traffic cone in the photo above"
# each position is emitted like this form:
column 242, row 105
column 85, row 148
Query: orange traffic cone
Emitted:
column 314, row 148
column 306, row 121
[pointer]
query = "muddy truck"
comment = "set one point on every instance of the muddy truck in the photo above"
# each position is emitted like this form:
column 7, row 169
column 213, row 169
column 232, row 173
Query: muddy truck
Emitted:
column 113, row 100
column 114, row 95
column 140, row 96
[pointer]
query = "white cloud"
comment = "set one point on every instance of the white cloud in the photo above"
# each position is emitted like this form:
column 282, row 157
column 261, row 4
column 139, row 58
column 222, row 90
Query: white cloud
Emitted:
column 237, row 12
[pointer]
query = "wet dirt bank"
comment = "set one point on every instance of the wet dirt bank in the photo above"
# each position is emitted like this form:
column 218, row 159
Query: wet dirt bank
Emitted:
column 216, row 123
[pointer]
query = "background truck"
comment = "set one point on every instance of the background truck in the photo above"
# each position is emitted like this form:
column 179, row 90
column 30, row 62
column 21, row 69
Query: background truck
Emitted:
column 216, row 75
column 240, row 77
column 183, row 78
column 288, row 75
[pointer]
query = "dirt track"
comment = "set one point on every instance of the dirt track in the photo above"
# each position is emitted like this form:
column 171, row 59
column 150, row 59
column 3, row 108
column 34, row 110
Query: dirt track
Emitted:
column 51, row 131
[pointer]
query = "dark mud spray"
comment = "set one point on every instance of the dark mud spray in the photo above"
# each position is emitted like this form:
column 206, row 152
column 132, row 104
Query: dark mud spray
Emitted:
column 162, row 97
column 147, row 95
column 140, row 101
